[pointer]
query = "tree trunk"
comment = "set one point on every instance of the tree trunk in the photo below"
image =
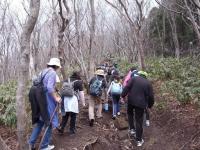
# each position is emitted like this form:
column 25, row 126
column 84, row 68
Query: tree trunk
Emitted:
column 92, row 34
column 172, row 22
column 21, row 96
column 64, row 24
column 83, row 67
column 192, row 19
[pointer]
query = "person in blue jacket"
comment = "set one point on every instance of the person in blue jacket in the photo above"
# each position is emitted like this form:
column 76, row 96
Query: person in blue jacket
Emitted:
column 52, row 99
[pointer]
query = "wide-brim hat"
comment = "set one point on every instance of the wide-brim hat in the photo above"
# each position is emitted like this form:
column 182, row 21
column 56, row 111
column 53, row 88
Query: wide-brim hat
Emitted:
column 54, row 62
column 100, row 72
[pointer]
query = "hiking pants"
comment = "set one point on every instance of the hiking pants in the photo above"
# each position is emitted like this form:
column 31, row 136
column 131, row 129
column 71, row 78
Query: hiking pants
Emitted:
column 93, row 101
column 115, row 103
column 139, row 112
column 147, row 114
column 72, row 121
column 36, row 132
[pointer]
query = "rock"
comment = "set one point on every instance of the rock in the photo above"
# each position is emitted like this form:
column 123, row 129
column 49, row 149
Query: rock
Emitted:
column 121, row 123
column 123, row 135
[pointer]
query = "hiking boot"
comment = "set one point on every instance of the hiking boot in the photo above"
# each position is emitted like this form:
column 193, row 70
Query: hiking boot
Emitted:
column 132, row 132
column 60, row 130
column 99, row 117
column 72, row 132
column 91, row 122
column 113, row 117
column 147, row 123
column 118, row 114
column 49, row 147
column 140, row 143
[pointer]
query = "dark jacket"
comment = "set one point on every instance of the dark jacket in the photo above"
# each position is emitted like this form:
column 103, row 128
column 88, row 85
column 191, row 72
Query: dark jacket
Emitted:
column 38, row 102
column 140, row 92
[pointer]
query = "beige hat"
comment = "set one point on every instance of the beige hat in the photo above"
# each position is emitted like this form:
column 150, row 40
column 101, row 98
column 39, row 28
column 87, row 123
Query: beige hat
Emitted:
column 100, row 72
column 54, row 62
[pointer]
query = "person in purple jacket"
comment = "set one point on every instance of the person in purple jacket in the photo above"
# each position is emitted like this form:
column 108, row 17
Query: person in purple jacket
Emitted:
column 52, row 99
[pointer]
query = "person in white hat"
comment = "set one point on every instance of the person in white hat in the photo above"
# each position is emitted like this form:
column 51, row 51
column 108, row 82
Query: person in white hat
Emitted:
column 50, row 78
column 97, row 87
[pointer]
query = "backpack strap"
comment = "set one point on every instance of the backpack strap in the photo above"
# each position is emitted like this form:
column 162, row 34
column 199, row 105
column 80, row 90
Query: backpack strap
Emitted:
column 43, row 76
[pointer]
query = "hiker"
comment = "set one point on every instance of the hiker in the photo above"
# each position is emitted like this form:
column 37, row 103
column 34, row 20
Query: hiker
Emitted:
column 115, row 89
column 132, row 72
column 69, row 105
column 97, row 86
column 140, row 97
column 47, row 108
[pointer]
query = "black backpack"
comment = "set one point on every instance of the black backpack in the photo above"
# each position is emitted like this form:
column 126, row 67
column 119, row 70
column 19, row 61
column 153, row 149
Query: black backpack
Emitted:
column 38, row 100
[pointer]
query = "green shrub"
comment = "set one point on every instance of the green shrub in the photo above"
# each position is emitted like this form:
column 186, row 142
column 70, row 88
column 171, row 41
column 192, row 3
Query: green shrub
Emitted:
column 182, row 77
column 7, row 104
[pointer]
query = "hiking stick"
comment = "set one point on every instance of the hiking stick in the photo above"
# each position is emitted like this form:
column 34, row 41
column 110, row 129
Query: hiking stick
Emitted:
column 45, row 132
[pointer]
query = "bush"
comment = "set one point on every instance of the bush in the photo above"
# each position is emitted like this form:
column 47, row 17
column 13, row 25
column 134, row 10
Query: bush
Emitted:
column 182, row 77
column 7, row 104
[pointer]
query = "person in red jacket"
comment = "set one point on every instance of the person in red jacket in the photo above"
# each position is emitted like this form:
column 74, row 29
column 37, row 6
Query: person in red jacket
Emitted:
column 140, row 96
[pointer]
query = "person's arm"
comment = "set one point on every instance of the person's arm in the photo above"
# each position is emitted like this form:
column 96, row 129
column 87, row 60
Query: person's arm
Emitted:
column 127, row 88
column 104, row 88
column 109, row 89
column 51, row 88
column 81, row 92
column 82, row 97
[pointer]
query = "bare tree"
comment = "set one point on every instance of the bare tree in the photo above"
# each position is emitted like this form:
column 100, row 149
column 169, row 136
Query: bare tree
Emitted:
column 65, row 19
column 136, row 25
column 24, row 74
column 92, row 34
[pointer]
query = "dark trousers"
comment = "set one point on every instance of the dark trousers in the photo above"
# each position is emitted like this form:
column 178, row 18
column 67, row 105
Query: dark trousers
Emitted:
column 147, row 114
column 116, row 105
column 136, row 113
column 72, row 121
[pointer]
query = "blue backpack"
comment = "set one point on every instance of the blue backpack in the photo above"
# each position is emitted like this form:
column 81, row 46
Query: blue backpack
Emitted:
column 116, row 88
column 96, row 88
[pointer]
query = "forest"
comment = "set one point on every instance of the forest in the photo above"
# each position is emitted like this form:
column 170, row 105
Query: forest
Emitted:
column 160, row 37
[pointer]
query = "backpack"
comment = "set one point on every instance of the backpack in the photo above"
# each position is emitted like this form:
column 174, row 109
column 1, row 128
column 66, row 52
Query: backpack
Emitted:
column 37, row 98
column 134, row 73
column 95, row 87
column 115, row 72
column 68, row 89
column 116, row 88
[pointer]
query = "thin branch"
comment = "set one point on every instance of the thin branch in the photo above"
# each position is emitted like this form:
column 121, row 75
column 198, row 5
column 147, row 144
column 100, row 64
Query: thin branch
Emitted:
column 159, row 3
column 195, row 4
column 119, row 11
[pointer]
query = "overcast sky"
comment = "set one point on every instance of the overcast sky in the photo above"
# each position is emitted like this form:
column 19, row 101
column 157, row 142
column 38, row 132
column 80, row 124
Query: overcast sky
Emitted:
column 17, row 6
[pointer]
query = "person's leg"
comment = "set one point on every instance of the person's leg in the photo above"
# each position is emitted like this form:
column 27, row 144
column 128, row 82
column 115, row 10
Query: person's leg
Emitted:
column 64, row 122
column 99, row 105
column 147, row 114
column 72, row 122
column 35, row 133
column 91, row 107
column 47, row 137
column 130, row 117
column 118, row 104
column 114, row 103
column 139, row 112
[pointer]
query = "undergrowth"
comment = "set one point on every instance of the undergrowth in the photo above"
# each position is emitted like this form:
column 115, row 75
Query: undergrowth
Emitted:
column 181, row 77
column 7, row 104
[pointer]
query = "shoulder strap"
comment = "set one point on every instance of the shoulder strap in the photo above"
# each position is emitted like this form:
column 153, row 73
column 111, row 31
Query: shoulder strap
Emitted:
column 43, row 76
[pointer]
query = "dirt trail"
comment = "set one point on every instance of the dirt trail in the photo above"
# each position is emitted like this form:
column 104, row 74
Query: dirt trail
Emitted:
column 173, row 127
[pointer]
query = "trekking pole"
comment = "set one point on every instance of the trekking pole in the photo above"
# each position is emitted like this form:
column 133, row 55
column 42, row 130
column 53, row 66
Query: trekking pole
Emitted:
column 45, row 132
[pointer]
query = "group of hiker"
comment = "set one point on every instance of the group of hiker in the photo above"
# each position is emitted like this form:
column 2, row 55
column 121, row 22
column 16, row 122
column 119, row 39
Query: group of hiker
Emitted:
column 106, row 84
